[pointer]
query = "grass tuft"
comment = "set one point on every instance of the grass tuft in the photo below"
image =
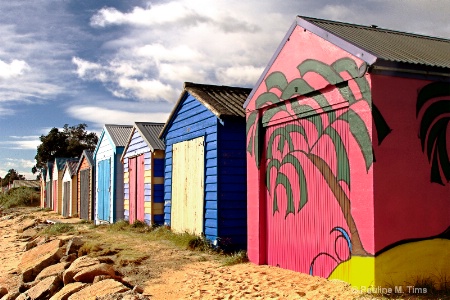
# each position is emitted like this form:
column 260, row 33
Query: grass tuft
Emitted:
column 22, row 196
column 236, row 258
column 58, row 228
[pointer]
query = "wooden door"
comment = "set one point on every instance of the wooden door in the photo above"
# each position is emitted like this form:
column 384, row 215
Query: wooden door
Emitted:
column 55, row 196
column 188, row 168
column 66, row 199
column 140, row 190
column 84, row 194
column 104, row 189
column 48, row 194
column 132, row 169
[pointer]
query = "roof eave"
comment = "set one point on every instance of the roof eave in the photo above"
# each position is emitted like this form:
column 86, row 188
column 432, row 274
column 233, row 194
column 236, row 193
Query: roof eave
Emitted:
column 390, row 68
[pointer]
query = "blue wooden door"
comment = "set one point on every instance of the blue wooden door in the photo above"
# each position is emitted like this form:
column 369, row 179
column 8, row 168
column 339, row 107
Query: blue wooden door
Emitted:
column 104, row 189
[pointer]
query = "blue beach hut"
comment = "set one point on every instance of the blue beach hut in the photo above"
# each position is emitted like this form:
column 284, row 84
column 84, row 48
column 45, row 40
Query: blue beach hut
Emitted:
column 109, row 174
column 205, row 164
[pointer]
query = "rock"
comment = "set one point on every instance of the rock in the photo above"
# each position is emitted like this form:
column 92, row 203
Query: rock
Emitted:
column 45, row 288
column 78, row 265
column 102, row 288
column 29, row 234
column 138, row 289
column 35, row 260
column 74, row 245
column 88, row 274
column 69, row 258
column 30, row 245
column 27, row 224
column 68, row 290
column 3, row 291
column 22, row 296
column 11, row 295
column 53, row 270
column 101, row 277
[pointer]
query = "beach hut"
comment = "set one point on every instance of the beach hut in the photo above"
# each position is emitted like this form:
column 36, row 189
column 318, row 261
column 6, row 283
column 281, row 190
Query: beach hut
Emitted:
column 43, row 187
column 109, row 173
column 86, row 185
column 205, row 172
column 48, row 171
column 57, row 177
column 143, row 161
column 347, row 155
column 69, row 189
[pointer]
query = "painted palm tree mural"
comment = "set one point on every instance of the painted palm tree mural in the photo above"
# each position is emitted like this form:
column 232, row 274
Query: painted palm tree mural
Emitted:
column 433, row 108
column 307, row 136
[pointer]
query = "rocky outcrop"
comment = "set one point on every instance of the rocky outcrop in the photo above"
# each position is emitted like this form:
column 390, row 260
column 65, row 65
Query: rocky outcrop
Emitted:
column 45, row 288
column 88, row 274
column 102, row 288
column 53, row 270
column 3, row 291
column 68, row 290
column 38, row 258
column 77, row 266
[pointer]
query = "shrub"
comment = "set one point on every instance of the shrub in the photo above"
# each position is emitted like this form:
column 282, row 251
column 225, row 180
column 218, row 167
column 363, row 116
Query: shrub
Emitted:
column 22, row 196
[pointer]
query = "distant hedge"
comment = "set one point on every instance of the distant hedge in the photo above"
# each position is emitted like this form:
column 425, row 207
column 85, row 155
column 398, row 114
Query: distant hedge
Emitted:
column 22, row 196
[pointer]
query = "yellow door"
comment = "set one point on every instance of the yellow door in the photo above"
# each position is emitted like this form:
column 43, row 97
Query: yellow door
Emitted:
column 188, row 169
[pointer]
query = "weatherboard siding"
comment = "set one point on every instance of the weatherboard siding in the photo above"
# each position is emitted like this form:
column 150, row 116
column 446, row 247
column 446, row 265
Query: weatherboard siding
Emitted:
column 193, row 120
column 232, row 170
column 150, row 212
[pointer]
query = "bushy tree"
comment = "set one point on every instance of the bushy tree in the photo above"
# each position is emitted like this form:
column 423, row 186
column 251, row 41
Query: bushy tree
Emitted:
column 11, row 176
column 70, row 142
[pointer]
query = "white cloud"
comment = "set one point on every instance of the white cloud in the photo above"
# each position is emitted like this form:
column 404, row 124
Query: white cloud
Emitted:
column 14, row 69
column 21, row 143
column 238, row 74
column 102, row 115
column 85, row 68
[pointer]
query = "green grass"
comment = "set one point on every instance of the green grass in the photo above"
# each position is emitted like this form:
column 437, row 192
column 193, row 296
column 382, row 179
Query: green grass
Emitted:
column 236, row 258
column 23, row 196
column 58, row 228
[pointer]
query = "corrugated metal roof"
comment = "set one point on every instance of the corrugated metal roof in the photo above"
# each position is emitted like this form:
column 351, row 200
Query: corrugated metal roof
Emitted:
column 26, row 183
column 221, row 100
column 72, row 165
column 119, row 133
column 390, row 45
column 61, row 161
column 150, row 133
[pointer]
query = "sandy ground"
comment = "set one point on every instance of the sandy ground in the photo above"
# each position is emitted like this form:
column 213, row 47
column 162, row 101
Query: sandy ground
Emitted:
column 184, row 275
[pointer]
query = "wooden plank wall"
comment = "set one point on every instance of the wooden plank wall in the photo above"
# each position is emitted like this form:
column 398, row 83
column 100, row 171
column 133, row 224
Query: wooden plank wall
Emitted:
column 190, row 121
column 104, row 151
column 232, row 171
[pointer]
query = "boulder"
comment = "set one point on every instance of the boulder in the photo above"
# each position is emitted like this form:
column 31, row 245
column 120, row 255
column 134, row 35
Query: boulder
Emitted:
column 88, row 274
column 22, row 296
column 35, row 260
column 30, row 245
column 68, row 290
column 74, row 245
column 96, row 290
column 29, row 234
column 69, row 258
column 11, row 295
column 100, row 278
column 78, row 265
column 45, row 288
column 3, row 291
column 27, row 224
column 53, row 270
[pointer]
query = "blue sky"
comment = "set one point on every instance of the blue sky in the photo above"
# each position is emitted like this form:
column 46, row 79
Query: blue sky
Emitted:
column 97, row 62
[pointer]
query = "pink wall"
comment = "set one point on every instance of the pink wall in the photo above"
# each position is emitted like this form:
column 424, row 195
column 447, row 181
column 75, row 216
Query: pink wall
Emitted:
column 307, row 236
column 407, row 204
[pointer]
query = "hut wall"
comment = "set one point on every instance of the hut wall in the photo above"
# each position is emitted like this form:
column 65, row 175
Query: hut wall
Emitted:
column 104, row 152
column 193, row 120
column 232, row 172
